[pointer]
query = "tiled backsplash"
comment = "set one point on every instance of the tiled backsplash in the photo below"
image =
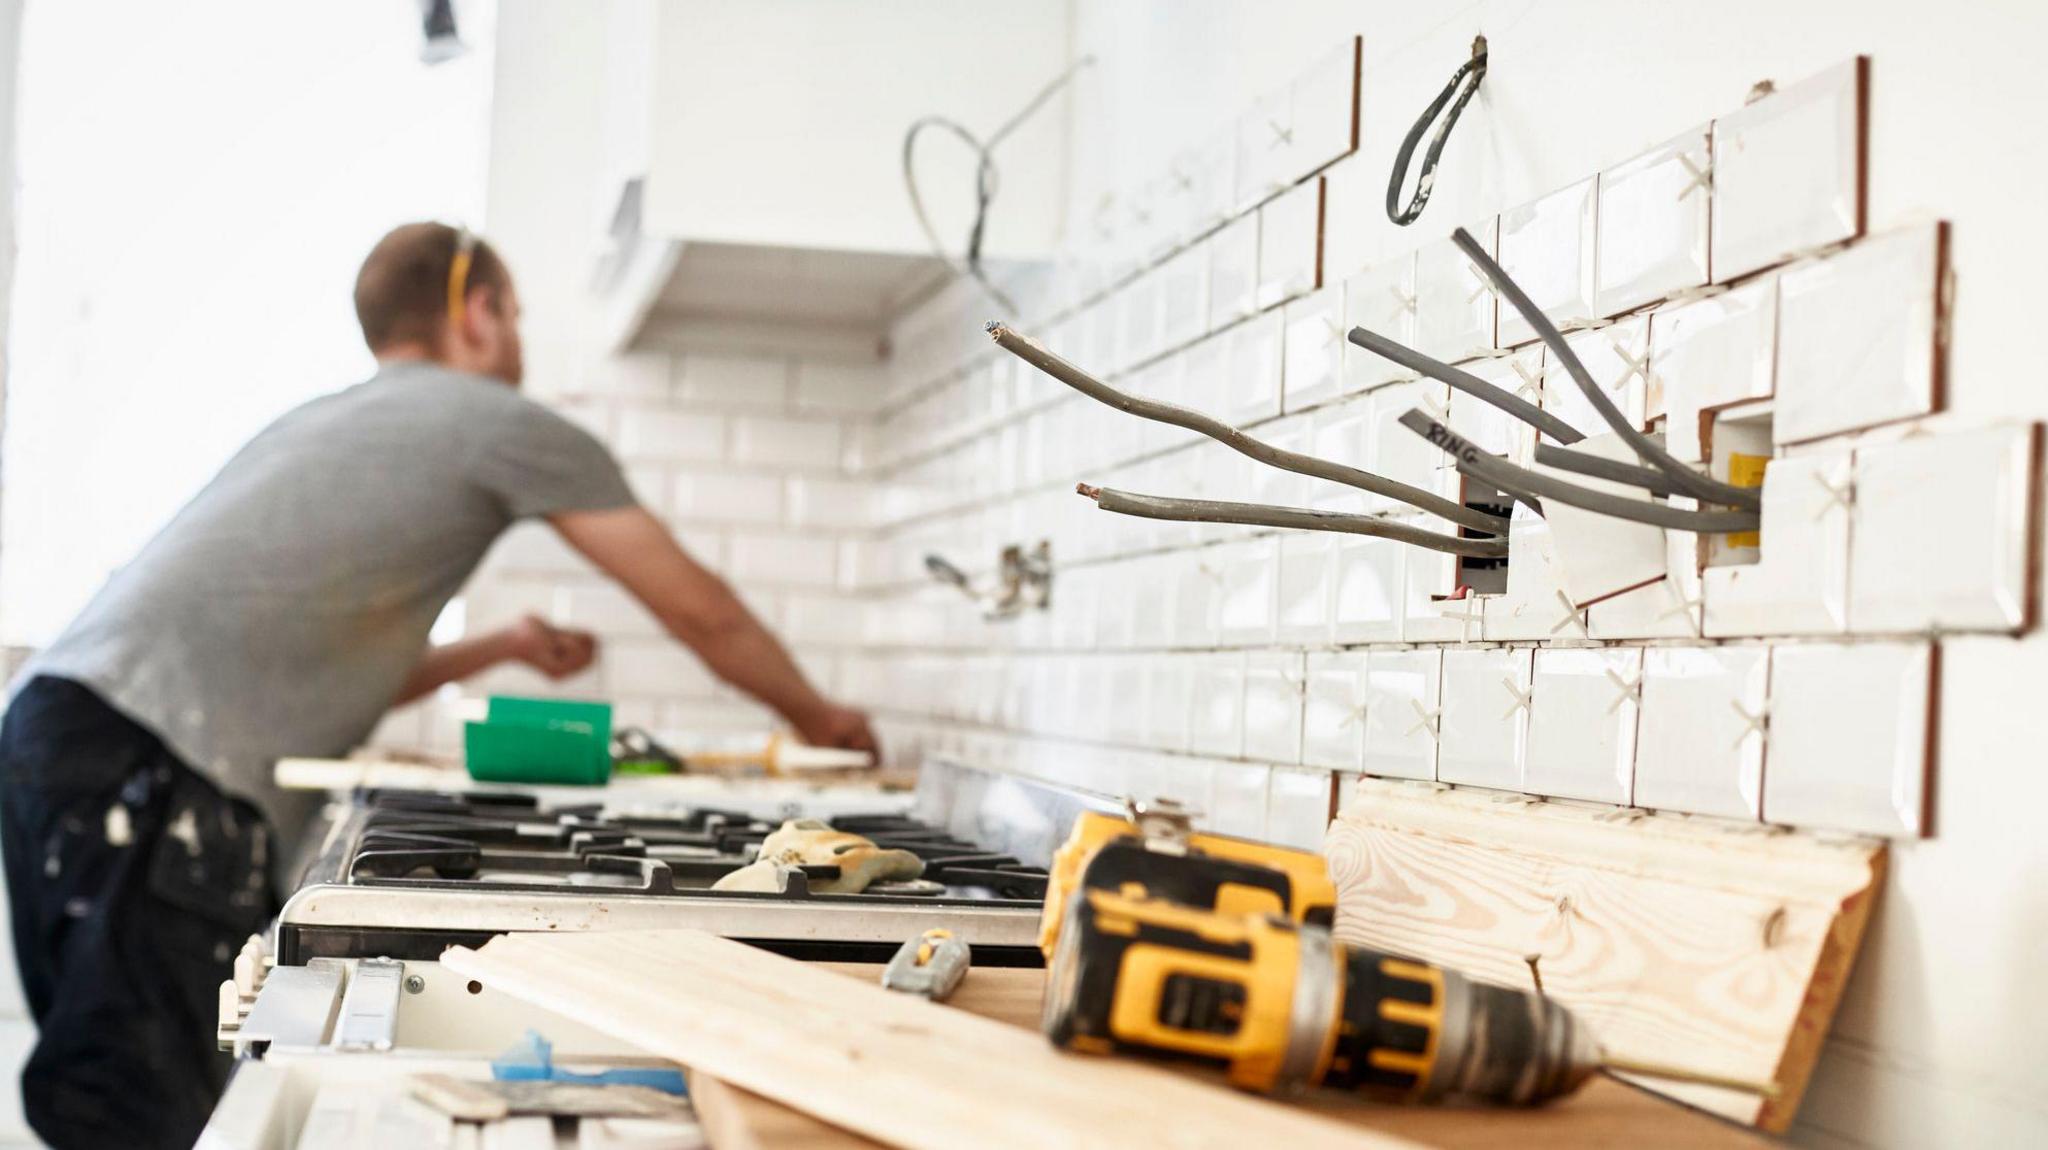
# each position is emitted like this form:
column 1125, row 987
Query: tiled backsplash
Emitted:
column 747, row 458
column 1720, row 286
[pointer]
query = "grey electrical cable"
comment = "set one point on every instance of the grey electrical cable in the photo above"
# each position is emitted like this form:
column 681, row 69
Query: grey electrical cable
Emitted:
column 1028, row 350
column 1691, row 482
column 1300, row 518
column 985, row 181
column 1600, row 467
column 1468, row 383
column 1520, row 481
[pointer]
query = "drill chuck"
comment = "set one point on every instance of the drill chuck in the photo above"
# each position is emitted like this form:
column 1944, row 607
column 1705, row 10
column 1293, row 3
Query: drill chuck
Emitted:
column 1282, row 1005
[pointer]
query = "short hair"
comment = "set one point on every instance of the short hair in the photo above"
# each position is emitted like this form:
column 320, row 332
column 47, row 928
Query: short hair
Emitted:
column 402, row 290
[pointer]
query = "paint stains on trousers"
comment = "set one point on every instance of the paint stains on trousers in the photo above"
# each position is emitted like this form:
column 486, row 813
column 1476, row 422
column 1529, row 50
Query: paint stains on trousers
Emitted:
column 132, row 883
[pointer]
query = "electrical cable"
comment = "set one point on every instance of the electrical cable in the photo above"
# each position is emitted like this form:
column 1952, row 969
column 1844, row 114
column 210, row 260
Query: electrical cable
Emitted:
column 1600, row 467
column 985, row 180
column 1522, row 483
column 1691, row 482
column 1475, row 67
column 1468, row 383
column 1028, row 350
column 1300, row 518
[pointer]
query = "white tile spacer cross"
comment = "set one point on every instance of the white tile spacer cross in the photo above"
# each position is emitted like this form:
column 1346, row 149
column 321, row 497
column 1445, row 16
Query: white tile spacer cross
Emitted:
column 1631, row 692
column 1842, row 495
column 1757, row 724
column 1336, row 330
column 1352, row 716
column 1441, row 412
column 1637, row 365
column 1300, row 686
column 1465, row 618
column 1181, row 180
column 1571, row 617
column 1214, row 575
column 1532, row 382
column 1426, row 720
column 1522, row 698
column 1702, row 178
column 1681, row 605
column 1402, row 298
column 1485, row 286
column 1281, row 136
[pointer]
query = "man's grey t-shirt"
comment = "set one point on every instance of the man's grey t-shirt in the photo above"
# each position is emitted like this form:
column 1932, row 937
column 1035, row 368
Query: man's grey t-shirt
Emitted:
column 283, row 608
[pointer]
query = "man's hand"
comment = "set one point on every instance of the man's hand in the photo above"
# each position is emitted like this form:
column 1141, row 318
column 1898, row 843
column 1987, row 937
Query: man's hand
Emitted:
column 557, row 652
column 842, row 727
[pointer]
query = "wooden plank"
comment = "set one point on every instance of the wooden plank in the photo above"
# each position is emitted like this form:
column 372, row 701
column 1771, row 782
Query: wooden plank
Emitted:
column 896, row 1068
column 1605, row 1113
column 1714, row 946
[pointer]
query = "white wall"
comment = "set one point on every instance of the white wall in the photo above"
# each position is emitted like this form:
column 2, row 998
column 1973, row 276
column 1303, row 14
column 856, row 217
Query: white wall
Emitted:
column 1934, row 1044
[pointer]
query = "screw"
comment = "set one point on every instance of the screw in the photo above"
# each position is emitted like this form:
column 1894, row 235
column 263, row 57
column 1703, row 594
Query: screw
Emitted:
column 414, row 984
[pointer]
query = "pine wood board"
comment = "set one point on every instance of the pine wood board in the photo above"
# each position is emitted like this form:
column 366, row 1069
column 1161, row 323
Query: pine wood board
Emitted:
column 1709, row 945
column 899, row 1069
column 1605, row 1113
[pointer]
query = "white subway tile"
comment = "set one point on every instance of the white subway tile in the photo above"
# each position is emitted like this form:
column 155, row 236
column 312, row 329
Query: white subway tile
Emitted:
column 822, row 619
column 1546, row 247
column 533, row 548
column 1653, row 223
column 642, row 376
column 1169, row 700
column 767, row 441
column 1247, row 600
column 1233, row 272
column 733, row 381
column 1216, row 706
column 1700, row 748
column 1184, row 297
column 1453, row 302
column 1273, row 686
column 1380, row 299
column 1403, row 712
column 1788, row 172
column 1290, row 244
column 1254, row 366
column 646, row 433
column 1314, row 349
column 1851, row 737
column 1367, row 600
column 650, row 484
column 1333, row 710
column 1582, row 725
column 1618, row 359
column 1240, row 799
column 1943, row 532
column 1710, row 354
column 1534, row 606
column 726, row 497
column 1600, row 556
column 604, row 608
column 1488, row 427
column 789, row 560
column 1486, row 702
column 814, row 501
column 1882, row 298
column 1307, row 569
column 1800, row 585
column 655, row 667
column 1298, row 807
column 840, row 388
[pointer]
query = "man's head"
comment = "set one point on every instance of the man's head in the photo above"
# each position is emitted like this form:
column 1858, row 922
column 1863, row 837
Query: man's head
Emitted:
column 429, row 291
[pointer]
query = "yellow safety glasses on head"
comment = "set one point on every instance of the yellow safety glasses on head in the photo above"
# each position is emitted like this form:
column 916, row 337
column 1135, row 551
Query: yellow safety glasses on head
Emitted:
column 458, row 272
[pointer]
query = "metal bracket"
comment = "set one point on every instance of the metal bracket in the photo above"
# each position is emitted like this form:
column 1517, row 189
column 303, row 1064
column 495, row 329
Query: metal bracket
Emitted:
column 1023, row 580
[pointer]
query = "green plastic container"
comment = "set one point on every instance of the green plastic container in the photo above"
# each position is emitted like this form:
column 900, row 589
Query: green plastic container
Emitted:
column 540, row 741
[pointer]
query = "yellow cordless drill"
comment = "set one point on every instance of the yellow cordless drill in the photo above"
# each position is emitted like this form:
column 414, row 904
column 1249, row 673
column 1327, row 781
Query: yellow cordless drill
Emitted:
column 1204, row 947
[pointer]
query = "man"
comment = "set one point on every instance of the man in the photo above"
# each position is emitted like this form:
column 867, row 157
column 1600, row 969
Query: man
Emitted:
column 283, row 611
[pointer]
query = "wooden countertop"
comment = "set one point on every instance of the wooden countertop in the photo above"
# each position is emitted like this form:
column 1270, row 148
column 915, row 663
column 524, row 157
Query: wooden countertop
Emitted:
column 1605, row 1113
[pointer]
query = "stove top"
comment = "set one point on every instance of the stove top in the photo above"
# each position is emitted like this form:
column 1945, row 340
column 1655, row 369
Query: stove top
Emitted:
column 509, row 842
column 405, row 874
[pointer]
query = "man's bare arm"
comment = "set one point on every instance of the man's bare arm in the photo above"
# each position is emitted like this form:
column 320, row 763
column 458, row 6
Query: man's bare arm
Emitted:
column 553, row 651
column 701, row 611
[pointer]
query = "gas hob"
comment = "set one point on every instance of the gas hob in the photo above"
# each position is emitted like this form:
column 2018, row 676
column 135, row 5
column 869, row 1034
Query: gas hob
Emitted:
column 405, row 874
